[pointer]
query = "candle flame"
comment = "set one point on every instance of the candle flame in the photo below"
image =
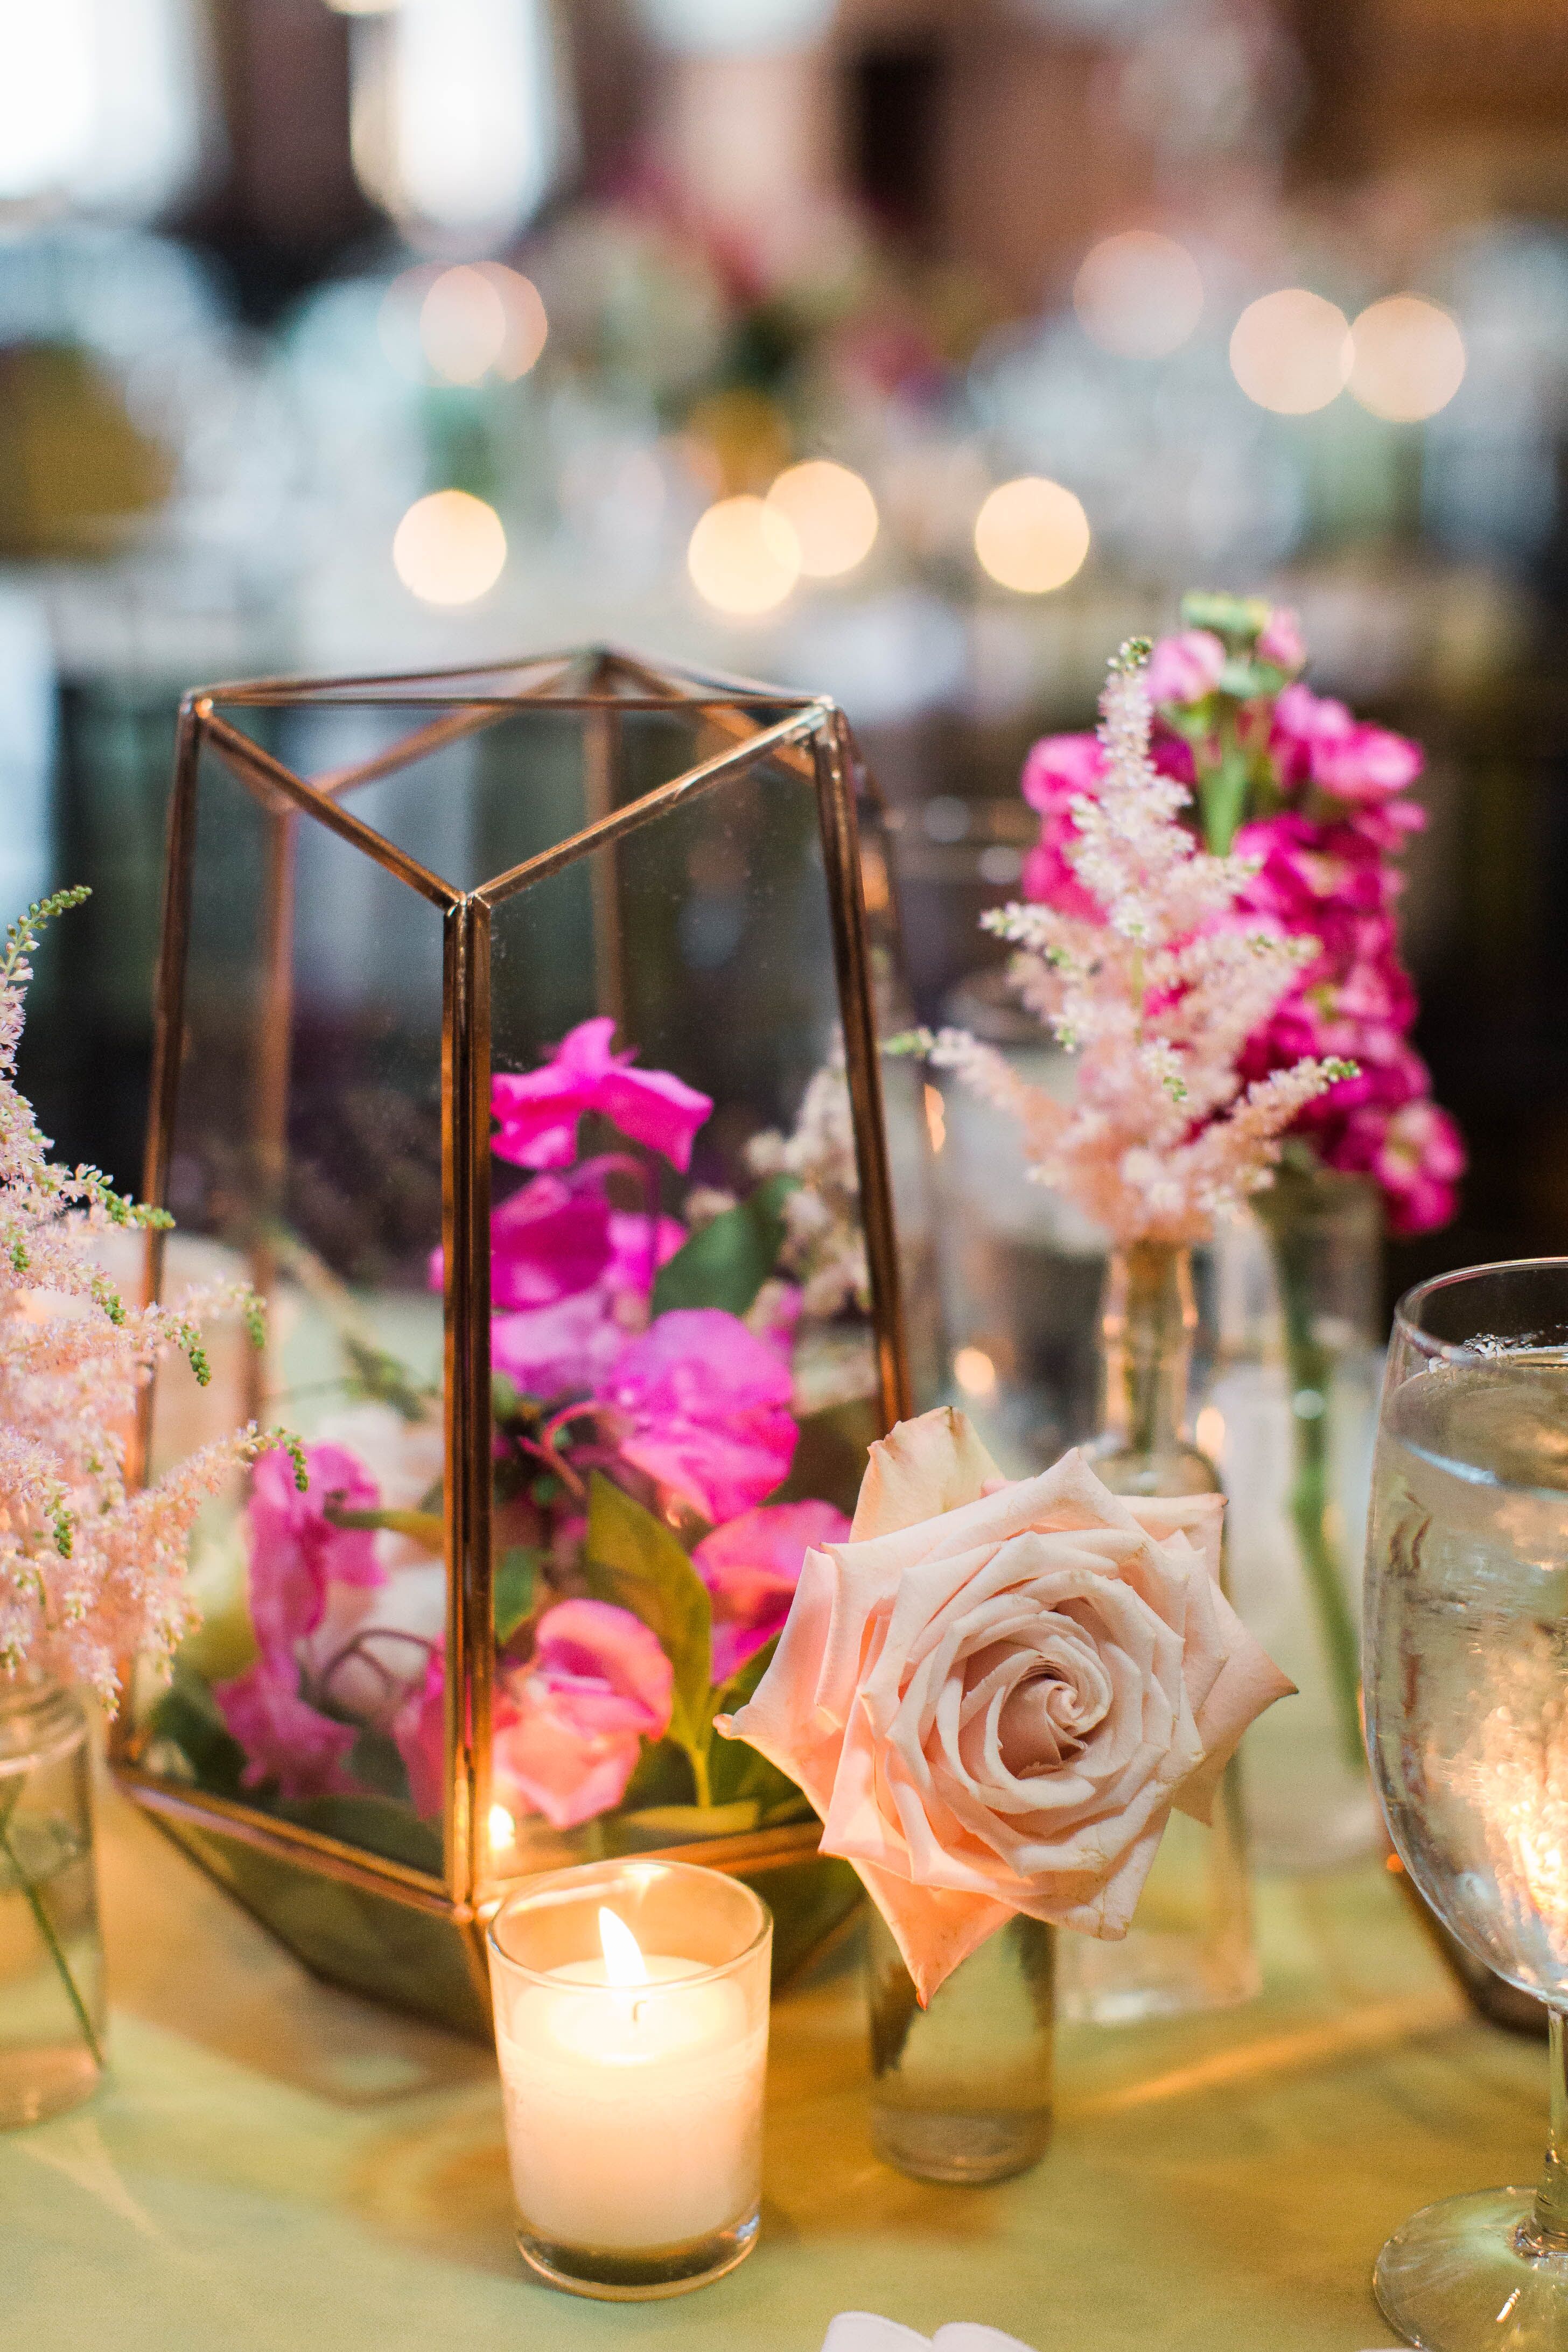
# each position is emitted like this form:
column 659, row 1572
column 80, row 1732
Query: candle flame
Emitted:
column 624, row 1962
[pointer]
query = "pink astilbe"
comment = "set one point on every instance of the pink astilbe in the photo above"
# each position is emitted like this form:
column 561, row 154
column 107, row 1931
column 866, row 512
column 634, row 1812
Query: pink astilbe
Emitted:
column 92, row 1573
column 1156, row 992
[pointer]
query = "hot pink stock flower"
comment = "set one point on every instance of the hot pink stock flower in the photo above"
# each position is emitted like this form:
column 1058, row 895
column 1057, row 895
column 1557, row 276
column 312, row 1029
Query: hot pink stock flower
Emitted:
column 1057, row 770
column 752, row 1567
column 284, row 1737
column 1417, row 1156
column 703, row 1407
column 419, row 1730
column 538, row 1112
column 1185, row 668
column 295, row 1549
column 1319, row 740
column 570, row 1725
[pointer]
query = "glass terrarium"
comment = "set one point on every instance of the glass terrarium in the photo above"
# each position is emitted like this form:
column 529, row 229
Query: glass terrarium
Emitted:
column 518, row 1041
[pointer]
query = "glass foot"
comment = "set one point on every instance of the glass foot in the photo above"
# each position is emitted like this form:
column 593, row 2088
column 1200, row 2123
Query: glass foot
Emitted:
column 1452, row 2278
column 612, row 2276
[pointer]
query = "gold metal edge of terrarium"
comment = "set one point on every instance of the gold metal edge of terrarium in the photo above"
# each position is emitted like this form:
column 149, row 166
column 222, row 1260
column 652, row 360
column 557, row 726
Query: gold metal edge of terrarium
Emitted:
column 291, row 1842
column 472, row 720
column 239, row 751
column 303, row 689
column 615, row 827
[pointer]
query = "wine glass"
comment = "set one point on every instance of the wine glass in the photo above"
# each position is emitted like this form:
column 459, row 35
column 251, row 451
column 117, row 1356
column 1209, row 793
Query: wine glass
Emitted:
column 1467, row 1701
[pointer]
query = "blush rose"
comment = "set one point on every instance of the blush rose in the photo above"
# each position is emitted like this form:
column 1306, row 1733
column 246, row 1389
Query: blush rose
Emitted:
column 994, row 1694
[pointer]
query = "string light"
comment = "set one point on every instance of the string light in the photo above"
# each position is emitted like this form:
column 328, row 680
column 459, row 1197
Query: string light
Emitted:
column 1408, row 359
column 1139, row 294
column 449, row 548
column 744, row 556
column 832, row 513
column 1290, row 351
column 1031, row 535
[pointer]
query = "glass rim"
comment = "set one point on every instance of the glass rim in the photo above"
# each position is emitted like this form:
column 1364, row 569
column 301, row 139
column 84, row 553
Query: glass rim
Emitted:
column 1407, row 1324
column 576, row 1882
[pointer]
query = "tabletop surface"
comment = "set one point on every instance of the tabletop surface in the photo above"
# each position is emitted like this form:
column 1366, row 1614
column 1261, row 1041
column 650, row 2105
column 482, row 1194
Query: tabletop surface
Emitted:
column 275, row 2164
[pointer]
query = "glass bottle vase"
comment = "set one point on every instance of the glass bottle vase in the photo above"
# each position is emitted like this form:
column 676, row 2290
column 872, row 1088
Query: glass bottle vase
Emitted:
column 1189, row 1945
column 52, row 2008
column 961, row 2089
column 1290, row 1413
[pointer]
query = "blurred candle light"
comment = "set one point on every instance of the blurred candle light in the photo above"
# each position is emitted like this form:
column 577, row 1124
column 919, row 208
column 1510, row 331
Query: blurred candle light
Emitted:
column 1408, row 359
column 1139, row 294
column 1290, row 351
column 479, row 318
column 1031, row 535
column 449, row 548
column 503, row 1829
column 832, row 512
column 744, row 556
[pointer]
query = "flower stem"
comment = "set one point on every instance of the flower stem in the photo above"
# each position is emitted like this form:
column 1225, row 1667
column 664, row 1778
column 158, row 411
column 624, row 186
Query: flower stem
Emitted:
column 46, row 1928
column 1308, row 1373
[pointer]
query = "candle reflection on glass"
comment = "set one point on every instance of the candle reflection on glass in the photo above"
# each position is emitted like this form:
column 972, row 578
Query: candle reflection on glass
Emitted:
column 632, row 2060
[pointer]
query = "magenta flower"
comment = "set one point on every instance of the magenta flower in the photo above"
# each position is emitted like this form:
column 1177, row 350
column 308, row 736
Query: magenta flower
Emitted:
column 1319, row 740
column 1185, row 668
column 296, row 1552
column 1416, row 1155
column 1280, row 640
column 752, row 1567
column 1058, row 770
column 284, row 1737
column 703, row 1407
column 419, row 1730
column 538, row 1112
column 570, row 1725
column 551, row 1240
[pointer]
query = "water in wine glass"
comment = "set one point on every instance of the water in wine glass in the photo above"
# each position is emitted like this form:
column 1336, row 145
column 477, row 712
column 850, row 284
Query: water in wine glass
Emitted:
column 1468, row 1597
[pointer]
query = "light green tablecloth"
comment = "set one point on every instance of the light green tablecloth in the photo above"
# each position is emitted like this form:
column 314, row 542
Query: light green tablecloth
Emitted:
column 277, row 2165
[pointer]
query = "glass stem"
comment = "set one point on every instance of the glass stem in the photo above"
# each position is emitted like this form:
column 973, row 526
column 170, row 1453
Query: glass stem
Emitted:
column 1546, row 2231
column 1150, row 1316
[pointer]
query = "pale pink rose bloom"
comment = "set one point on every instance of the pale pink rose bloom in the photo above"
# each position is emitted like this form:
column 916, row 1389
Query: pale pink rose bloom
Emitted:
column 1185, row 668
column 570, row 1725
column 994, row 1693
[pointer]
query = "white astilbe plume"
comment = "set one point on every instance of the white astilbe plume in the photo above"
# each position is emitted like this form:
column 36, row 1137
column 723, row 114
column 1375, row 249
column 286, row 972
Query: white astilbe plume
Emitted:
column 90, row 1572
column 823, row 1248
column 1156, row 1000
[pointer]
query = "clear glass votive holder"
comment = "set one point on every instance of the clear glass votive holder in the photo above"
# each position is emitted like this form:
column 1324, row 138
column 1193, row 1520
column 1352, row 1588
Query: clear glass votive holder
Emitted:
column 631, row 2017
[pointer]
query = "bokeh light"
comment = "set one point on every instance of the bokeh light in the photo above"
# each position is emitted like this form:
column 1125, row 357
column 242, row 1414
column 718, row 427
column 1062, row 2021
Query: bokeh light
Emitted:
column 832, row 513
column 503, row 1829
column 1139, row 294
column 974, row 1372
column 481, row 317
column 449, row 548
column 744, row 556
column 1407, row 360
column 1290, row 351
column 1031, row 534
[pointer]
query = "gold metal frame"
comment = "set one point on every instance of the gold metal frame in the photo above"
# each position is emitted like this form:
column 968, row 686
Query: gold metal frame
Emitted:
column 811, row 737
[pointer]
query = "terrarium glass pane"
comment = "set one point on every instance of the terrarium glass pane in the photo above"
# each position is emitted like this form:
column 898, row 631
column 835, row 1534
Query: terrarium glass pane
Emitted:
column 683, row 1378
column 306, row 1159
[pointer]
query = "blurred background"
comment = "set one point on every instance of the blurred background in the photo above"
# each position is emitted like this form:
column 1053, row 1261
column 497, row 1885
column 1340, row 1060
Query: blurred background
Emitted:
column 916, row 351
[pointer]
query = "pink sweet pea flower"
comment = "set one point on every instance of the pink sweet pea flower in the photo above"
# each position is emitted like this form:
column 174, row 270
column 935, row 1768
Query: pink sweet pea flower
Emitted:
column 284, row 1737
column 551, row 1240
column 1280, row 640
column 702, row 1406
column 295, row 1549
column 570, row 1725
column 419, row 1730
column 752, row 1567
column 539, row 1111
column 1185, row 668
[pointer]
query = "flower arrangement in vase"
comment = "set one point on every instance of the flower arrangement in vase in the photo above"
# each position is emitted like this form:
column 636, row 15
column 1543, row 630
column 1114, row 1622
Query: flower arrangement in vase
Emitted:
column 1318, row 803
column 92, row 1572
column 1146, row 959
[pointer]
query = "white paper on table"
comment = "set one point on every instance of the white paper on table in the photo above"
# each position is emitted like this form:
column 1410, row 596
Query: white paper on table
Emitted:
column 864, row 2331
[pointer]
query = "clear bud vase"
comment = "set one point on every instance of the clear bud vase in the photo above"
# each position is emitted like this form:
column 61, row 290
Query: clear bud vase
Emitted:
column 1190, row 1945
column 962, row 2090
column 51, row 1957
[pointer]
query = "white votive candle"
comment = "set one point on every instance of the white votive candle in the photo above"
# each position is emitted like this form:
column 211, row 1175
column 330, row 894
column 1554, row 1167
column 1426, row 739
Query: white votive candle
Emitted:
column 633, row 2074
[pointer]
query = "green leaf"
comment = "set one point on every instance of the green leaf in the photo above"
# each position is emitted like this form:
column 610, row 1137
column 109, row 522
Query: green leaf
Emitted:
column 187, row 1714
column 662, row 1776
column 726, row 1264
column 734, row 1693
column 511, row 1594
column 635, row 1562
column 375, row 1760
